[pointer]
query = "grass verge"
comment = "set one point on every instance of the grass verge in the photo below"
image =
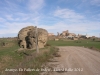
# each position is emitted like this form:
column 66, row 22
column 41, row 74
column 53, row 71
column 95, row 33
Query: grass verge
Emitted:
column 85, row 43
column 32, row 62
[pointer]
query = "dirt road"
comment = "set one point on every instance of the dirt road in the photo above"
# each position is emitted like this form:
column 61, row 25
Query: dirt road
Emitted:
column 76, row 61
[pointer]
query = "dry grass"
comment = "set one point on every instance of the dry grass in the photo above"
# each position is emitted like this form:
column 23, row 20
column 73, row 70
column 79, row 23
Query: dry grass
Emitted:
column 4, row 61
column 32, row 60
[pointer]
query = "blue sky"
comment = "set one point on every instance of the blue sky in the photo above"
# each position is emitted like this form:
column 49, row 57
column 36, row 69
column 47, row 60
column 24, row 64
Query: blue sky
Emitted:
column 77, row 16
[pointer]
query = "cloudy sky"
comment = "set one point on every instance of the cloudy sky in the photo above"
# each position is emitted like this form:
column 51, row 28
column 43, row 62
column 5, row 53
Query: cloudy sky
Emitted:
column 77, row 16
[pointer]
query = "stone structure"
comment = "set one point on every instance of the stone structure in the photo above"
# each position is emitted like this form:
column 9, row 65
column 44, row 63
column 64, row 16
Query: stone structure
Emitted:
column 84, row 36
column 50, row 34
column 58, row 34
column 65, row 33
column 4, row 44
column 56, row 39
column 27, row 37
column 71, row 35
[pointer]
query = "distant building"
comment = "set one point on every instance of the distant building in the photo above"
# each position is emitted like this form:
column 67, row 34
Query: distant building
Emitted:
column 71, row 35
column 93, row 36
column 65, row 33
column 50, row 34
column 84, row 36
column 87, row 36
column 75, row 38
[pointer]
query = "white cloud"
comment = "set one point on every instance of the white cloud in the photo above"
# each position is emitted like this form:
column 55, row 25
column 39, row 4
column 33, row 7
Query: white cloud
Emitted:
column 68, row 14
column 11, row 5
column 2, row 19
column 65, row 19
column 9, row 17
column 36, row 20
column 92, row 2
column 81, row 28
column 95, row 2
column 13, row 27
column 35, row 5
column 78, row 28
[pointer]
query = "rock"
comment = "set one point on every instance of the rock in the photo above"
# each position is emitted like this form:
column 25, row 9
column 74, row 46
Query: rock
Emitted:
column 4, row 44
column 27, row 37
column 56, row 39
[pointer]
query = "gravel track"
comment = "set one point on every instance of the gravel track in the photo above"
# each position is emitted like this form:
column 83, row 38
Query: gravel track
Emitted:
column 77, row 61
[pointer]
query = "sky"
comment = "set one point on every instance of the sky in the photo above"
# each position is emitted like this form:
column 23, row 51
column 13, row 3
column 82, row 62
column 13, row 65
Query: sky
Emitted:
column 77, row 16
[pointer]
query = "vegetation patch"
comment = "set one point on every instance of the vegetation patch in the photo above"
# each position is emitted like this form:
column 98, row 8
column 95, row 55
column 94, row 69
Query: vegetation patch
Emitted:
column 11, row 58
column 83, row 43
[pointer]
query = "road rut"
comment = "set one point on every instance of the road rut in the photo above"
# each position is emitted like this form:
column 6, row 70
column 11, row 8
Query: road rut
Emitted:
column 77, row 61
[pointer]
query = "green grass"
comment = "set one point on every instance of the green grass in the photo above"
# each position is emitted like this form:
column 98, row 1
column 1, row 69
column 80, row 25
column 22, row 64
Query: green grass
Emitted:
column 8, row 55
column 42, row 59
column 36, row 61
column 11, row 58
column 85, row 43
column 9, row 50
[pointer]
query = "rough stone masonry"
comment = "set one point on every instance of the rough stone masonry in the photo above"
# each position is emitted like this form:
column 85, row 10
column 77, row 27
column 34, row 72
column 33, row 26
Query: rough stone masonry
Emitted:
column 27, row 37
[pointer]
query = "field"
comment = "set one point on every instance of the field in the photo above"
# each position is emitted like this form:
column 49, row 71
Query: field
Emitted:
column 10, row 57
column 83, row 43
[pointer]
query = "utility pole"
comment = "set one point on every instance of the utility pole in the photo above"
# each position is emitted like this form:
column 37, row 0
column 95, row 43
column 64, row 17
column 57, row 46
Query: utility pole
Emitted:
column 99, row 35
column 37, row 49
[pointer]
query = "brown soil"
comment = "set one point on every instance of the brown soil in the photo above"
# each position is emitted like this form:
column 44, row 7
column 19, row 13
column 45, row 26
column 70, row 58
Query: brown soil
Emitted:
column 75, row 61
